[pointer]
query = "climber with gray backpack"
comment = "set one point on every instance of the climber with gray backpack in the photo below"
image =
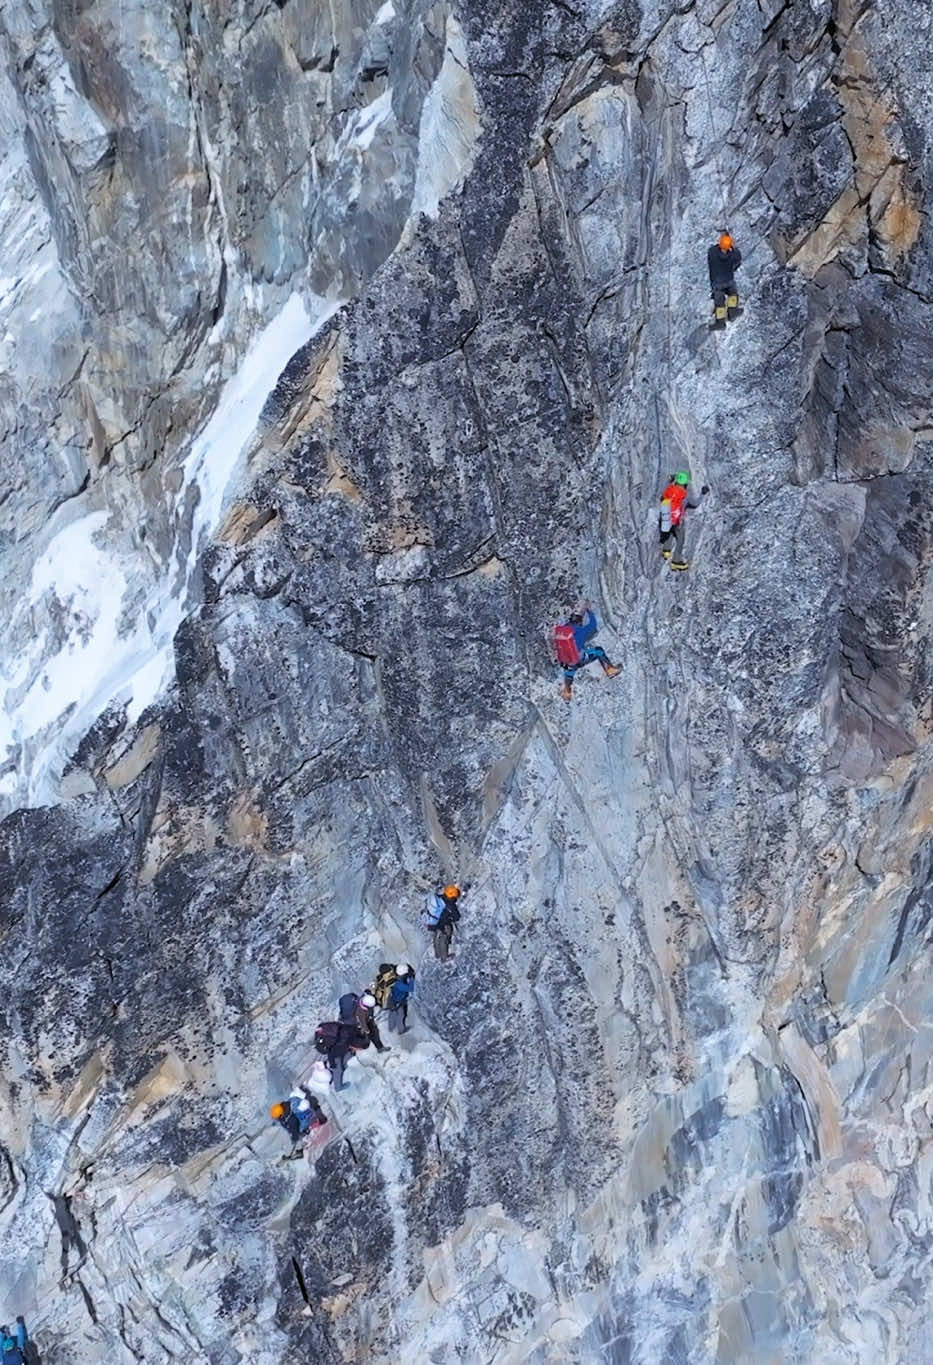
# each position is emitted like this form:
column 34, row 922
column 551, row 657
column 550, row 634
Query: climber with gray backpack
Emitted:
column 672, row 516
column 440, row 916
column 12, row 1348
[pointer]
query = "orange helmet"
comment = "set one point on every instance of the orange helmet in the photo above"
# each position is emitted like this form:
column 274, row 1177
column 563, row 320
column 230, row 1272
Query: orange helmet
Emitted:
column 725, row 242
column 277, row 1111
column 451, row 892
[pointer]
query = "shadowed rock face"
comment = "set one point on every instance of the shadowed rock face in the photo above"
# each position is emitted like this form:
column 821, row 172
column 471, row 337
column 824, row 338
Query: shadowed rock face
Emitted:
column 670, row 1103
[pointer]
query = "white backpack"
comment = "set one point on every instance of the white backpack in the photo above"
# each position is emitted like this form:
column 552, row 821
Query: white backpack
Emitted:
column 433, row 910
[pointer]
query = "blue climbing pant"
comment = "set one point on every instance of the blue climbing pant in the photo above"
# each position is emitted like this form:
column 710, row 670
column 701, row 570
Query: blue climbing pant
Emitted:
column 591, row 654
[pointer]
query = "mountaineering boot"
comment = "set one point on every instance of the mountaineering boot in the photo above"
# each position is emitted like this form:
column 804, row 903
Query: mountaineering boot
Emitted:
column 679, row 564
column 665, row 554
column 566, row 691
column 611, row 670
column 721, row 314
column 732, row 302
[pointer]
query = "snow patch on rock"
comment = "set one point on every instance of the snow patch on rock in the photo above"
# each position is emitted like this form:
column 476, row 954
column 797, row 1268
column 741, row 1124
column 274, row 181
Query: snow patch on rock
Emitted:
column 101, row 643
column 363, row 127
column 449, row 130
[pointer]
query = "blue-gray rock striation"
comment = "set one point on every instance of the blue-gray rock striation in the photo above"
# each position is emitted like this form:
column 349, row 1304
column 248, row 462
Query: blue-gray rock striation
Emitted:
column 343, row 349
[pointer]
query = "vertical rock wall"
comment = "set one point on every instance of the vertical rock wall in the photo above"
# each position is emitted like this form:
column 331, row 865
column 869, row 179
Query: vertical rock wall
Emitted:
column 670, row 1103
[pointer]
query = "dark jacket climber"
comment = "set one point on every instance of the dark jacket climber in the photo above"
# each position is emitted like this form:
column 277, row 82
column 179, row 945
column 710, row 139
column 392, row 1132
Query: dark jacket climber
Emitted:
column 335, row 1040
column 571, row 644
column 13, row 1346
column 346, row 1007
column 672, row 520
column 440, row 916
column 360, row 1011
column 299, row 1113
column 723, row 259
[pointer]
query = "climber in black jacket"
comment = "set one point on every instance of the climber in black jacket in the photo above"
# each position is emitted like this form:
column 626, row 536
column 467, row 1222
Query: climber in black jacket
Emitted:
column 724, row 259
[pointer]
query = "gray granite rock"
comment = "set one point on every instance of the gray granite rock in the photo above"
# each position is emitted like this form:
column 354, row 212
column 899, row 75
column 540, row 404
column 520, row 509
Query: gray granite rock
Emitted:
column 344, row 352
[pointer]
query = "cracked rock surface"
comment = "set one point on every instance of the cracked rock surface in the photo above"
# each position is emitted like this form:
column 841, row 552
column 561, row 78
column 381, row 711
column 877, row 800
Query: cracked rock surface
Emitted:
column 343, row 348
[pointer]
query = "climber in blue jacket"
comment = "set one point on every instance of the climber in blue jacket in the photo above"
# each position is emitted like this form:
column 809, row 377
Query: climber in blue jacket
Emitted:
column 299, row 1115
column 12, row 1347
column 574, row 651
column 403, row 988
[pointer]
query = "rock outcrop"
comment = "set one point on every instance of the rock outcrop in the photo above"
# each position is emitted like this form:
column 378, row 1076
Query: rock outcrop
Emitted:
column 342, row 351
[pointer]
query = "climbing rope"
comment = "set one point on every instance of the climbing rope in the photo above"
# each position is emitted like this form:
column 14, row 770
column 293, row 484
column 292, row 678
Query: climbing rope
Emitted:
column 667, row 134
column 714, row 141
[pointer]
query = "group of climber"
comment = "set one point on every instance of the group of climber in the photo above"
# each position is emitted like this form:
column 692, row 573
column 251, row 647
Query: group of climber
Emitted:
column 13, row 1344
column 573, row 638
column 357, row 1025
column 337, row 1040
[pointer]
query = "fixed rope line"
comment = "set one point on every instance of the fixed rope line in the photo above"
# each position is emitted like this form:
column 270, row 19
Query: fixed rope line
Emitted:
column 668, row 127
column 667, row 160
column 714, row 136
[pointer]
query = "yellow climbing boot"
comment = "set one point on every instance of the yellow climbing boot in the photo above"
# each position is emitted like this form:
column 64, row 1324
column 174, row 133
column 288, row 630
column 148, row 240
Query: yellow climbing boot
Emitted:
column 732, row 301
column 611, row 670
column 665, row 554
column 679, row 564
column 720, row 312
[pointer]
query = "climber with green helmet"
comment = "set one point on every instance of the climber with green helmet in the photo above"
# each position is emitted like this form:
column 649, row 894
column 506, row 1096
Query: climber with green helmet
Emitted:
column 672, row 521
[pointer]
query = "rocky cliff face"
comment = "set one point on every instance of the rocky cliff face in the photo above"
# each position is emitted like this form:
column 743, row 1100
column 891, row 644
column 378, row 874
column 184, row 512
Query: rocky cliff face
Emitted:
column 343, row 346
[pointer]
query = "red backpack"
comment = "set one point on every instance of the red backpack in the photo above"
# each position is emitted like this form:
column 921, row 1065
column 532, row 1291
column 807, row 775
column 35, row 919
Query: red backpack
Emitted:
column 565, row 645
column 675, row 495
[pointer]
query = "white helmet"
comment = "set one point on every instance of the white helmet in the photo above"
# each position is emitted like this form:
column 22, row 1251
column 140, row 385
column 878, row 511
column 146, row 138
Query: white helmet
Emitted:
column 368, row 1000
column 402, row 969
